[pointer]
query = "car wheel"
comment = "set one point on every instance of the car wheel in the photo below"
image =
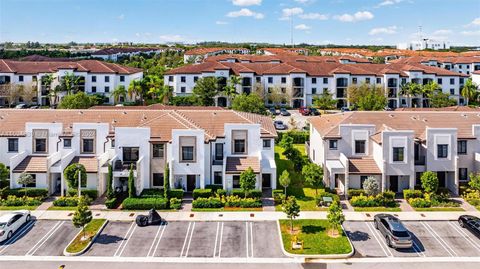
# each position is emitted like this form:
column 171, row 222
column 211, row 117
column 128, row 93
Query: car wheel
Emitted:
column 27, row 219
column 389, row 243
column 376, row 224
column 460, row 222
column 9, row 235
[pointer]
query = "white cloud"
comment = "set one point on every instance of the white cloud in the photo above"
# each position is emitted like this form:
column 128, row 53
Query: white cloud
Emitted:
column 302, row 27
column 221, row 22
column 304, row 1
column 121, row 17
column 470, row 33
column 383, row 30
column 359, row 16
column 389, row 3
column 442, row 32
column 314, row 16
column 172, row 38
column 288, row 12
column 245, row 12
column 244, row 3
column 476, row 22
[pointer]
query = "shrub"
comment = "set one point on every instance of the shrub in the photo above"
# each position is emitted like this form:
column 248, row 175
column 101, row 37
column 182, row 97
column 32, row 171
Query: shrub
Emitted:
column 236, row 201
column 92, row 194
column 66, row 201
column 299, row 137
column 472, row 197
column 278, row 196
column 175, row 203
column 211, row 202
column 319, row 198
column 419, row 202
column 355, row 192
column 175, row 193
column 408, row 194
column 111, row 203
column 443, row 190
column 214, row 187
column 221, row 192
column 250, row 194
column 20, row 201
column 364, row 201
column 202, row 193
column 31, row 192
column 144, row 203
column 155, row 193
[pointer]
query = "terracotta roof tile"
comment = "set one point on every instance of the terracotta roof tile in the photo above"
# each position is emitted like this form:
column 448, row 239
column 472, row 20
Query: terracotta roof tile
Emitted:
column 32, row 164
column 363, row 166
column 90, row 163
column 237, row 165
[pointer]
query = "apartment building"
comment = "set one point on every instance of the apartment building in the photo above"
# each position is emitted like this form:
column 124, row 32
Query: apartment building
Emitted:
column 199, row 54
column 201, row 146
column 424, row 44
column 114, row 53
column 460, row 64
column 303, row 78
column 395, row 148
column 96, row 77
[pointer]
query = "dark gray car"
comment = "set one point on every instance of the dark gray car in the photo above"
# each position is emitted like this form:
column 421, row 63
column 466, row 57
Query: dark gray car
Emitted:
column 392, row 229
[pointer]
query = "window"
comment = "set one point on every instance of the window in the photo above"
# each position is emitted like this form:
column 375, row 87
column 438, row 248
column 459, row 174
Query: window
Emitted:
column 367, row 80
column 40, row 145
column 452, row 81
column 13, row 145
column 284, row 80
column 195, row 78
column 130, row 154
column 217, row 178
column 87, row 145
column 187, row 153
column 34, row 78
column 404, row 80
column 267, row 143
column 439, row 81
column 183, row 79
column 94, row 89
column 398, row 154
column 107, row 79
column 187, row 148
column 462, row 79
column 112, row 144
column 462, row 147
column 325, row 80
column 67, row 143
column 314, row 90
column 236, row 181
column 20, row 78
column 239, row 138
column 94, row 78
column 452, row 91
column 314, row 80
column 362, row 180
column 157, row 180
column 183, row 89
column 359, row 146
column 34, row 184
column 442, row 151
column 379, row 80
column 270, row 79
column 218, row 151
column 107, row 89
column 122, row 78
column 158, row 150
column 333, row 144
column 87, row 141
column 354, row 80
column 170, row 78
column 463, row 174
column 239, row 146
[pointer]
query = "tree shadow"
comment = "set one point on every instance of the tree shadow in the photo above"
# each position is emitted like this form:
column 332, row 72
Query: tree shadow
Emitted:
column 358, row 236
column 312, row 229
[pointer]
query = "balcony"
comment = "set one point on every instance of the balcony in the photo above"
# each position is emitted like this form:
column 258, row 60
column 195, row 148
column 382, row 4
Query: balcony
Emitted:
column 298, row 82
column 246, row 82
column 297, row 92
column 392, row 93
column 124, row 166
column 340, row 93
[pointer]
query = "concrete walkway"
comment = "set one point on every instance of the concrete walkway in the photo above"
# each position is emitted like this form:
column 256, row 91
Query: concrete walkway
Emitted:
column 466, row 206
column 404, row 205
column 46, row 204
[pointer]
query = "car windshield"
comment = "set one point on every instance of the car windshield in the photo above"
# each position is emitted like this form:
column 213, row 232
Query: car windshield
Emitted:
column 400, row 233
column 2, row 224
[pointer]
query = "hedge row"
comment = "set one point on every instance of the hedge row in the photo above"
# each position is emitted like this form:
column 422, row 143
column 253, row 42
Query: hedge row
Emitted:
column 386, row 199
column 111, row 203
column 211, row 202
column 20, row 201
column 155, row 193
column 20, row 192
column 92, row 194
column 355, row 192
column 144, row 203
column 202, row 193
column 66, row 201
column 299, row 137
column 175, row 193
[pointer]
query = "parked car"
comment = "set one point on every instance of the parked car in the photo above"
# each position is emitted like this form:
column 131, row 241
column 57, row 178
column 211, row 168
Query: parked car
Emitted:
column 273, row 111
column 471, row 223
column 392, row 229
column 304, row 111
column 279, row 125
column 284, row 112
column 11, row 222
column 314, row 111
column 21, row 106
column 153, row 218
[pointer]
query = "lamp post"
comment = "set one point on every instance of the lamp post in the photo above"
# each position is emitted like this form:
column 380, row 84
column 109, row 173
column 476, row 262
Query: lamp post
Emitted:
column 79, row 181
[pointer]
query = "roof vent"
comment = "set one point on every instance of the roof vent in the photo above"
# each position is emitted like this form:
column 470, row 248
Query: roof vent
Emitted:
column 124, row 112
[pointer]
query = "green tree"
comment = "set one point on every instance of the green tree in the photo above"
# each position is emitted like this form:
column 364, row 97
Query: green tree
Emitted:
column 25, row 179
column 231, row 89
column 165, row 94
column 153, row 85
column 136, row 89
column 367, row 97
column 131, row 183
column 248, row 179
column 474, row 182
column 205, row 91
column 248, row 103
column 284, row 180
column 291, row 209
column 313, row 175
column 4, row 172
column 325, row 101
column 166, row 181
column 71, row 175
column 370, row 186
column 440, row 99
column 110, row 192
column 119, row 92
column 335, row 217
column 410, row 90
column 79, row 100
column 429, row 181
column 469, row 90
column 70, row 82
column 82, row 215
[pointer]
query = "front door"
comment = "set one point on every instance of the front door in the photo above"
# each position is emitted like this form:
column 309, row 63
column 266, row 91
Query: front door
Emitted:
column 442, row 179
column 266, row 181
column 394, row 183
column 191, row 182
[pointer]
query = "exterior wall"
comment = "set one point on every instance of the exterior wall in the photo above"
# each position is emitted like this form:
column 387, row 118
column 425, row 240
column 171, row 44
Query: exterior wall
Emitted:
column 40, row 179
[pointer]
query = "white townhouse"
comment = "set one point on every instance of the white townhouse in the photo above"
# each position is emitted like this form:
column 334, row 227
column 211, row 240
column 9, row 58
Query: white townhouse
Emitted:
column 303, row 78
column 96, row 77
column 395, row 148
column 460, row 64
column 201, row 146
column 114, row 53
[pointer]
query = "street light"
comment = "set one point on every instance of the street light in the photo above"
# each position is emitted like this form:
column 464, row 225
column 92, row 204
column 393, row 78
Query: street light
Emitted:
column 79, row 180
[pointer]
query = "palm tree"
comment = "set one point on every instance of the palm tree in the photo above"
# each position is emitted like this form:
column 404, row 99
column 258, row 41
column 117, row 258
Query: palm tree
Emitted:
column 429, row 89
column 135, row 89
column 70, row 82
column 119, row 91
column 231, row 89
column 165, row 94
column 153, row 84
column 410, row 90
column 469, row 90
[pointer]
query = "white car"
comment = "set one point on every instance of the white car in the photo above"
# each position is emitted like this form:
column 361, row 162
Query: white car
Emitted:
column 11, row 222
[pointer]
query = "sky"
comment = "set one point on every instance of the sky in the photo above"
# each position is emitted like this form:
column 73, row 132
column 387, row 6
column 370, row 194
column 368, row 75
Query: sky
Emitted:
column 345, row 22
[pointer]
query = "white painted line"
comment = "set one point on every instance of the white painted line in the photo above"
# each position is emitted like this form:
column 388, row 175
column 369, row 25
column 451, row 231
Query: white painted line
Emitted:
column 17, row 235
column 246, row 237
column 372, row 230
column 158, row 241
column 44, row 239
column 190, row 240
column 186, row 239
column 439, row 239
column 251, row 239
column 416, row 248
column 221, row 239
column 465, row 235
column 124, row 238
column 216, row 240
column 128, row 240
column 160, row 227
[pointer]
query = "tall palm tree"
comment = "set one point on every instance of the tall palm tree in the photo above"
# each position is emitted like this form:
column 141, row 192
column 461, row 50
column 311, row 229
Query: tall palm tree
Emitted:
column 153, row 84
column 469, row 90
column 135, row 89
column 231, row 89
column 70, row 82
column 429, row 89
column 119, row 91
column 410, row 90
column 165, row 94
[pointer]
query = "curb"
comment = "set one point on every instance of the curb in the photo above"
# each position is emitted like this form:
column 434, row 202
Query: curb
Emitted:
column 66, row 253
column 315, row 256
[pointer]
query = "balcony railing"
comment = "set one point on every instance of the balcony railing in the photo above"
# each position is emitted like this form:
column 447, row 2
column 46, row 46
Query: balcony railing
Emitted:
column 123, row 166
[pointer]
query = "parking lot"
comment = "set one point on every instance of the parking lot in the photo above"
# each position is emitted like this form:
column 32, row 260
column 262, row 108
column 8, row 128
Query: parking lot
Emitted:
column 431, row 239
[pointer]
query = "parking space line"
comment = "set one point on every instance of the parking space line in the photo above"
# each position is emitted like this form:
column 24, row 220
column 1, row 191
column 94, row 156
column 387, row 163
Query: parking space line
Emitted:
column 186, row 239
column 383, row 245
column 190, row 240
column 17, row 235
column 439, row 239
column 220, row 242
column 44, row 239
column 465, row 235
column 416, row 248
column 246, row 237
column 251, row 239
column 156, row 240
column 216, row 240
column 125, row 239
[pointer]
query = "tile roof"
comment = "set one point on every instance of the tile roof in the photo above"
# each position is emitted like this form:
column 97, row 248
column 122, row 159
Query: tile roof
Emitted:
column 32, row 164
column 363, row 166
column 237, row 165
column 90, row 163
column 202, row 51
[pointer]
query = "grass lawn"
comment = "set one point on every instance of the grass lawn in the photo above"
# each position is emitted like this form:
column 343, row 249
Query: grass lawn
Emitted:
column 439, row 209
column 90, row 231
column 226, row 209
column 307, row 201
column 315, row 238
column 26, row 207
column 377, row 209
column 66, row 208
